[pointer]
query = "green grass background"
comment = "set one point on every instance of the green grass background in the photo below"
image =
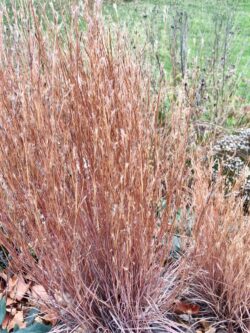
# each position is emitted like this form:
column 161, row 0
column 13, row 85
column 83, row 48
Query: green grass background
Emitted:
column 152, row 19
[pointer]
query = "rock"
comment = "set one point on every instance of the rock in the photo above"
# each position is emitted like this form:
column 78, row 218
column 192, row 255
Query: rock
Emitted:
column 237, row 145
column 233, row 152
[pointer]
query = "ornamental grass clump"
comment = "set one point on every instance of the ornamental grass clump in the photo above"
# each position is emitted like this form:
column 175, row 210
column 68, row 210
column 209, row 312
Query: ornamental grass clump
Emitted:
column 221, row 253
column 82, row 165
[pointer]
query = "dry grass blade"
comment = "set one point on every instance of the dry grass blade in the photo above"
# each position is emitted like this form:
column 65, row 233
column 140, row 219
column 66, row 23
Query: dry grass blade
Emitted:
column 222, row 252
column 83, row 163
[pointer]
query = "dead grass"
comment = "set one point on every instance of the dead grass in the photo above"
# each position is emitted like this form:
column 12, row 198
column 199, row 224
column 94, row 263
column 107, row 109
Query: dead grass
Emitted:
column 84, row 168
column 82, row 164
column 222, row 252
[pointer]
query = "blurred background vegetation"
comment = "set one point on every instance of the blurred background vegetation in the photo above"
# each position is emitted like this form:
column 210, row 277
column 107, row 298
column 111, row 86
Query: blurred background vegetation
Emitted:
column 200, row 46
column 203, row 45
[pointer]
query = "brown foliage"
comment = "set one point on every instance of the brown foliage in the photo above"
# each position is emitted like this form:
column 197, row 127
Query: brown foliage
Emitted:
column 84, row 168
column 82, row 165
column 221, row 251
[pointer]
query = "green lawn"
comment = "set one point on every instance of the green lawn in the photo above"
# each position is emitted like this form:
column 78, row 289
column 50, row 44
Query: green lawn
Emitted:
column 226, row 23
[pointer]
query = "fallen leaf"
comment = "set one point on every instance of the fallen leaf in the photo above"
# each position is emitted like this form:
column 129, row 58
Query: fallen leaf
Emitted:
column 12, row 311
column 51, row 317
column 12, row 283
column 186, row 308
column 38, row 292
column 58, row 297
column 10, row 301
column 17, row 320
column 3, row 276
column 38, row 320
column 211, row 330
column 206, row 325
column 6, row 320
column 19, row 288
column 2, row 285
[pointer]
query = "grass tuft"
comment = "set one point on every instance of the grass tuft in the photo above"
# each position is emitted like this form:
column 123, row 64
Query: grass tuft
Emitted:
column 82, row 164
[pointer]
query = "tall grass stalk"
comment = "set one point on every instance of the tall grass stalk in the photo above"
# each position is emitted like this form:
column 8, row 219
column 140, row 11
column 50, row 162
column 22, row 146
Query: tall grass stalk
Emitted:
column 82, row 164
